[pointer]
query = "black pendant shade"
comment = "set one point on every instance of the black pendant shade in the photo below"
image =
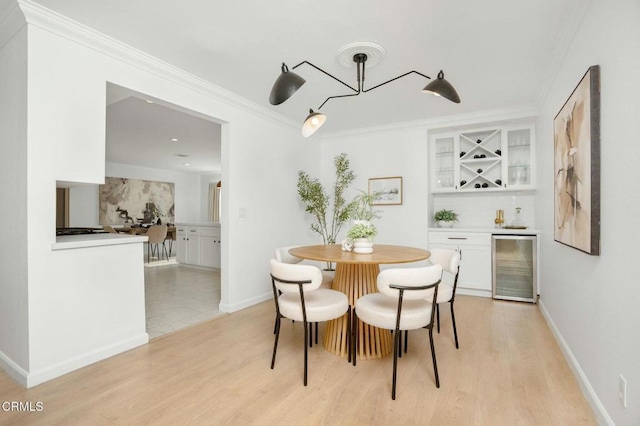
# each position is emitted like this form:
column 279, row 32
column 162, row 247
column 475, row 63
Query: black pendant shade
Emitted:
column 285, row 86
column 442, row 87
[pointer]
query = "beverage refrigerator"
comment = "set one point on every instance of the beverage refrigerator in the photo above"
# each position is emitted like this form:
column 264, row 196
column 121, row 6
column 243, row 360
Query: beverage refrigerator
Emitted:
column 514, row 267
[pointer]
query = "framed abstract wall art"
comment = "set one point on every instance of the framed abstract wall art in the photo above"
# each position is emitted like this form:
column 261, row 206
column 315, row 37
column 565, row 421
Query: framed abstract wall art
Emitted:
column 576, row 134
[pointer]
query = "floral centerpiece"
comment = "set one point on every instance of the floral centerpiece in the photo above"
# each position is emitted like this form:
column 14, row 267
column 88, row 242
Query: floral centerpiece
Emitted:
column 362, row 232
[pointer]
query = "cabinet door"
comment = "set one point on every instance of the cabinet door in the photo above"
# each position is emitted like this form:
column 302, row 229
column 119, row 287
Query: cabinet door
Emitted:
column 475, row 268
column 519, row 165
column 209, row 251
column 444, row 163
column 193, row 249
column 181, row 247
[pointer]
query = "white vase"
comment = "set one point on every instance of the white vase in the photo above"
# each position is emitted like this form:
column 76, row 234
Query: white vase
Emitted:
column 445, row 223
column 362, row 246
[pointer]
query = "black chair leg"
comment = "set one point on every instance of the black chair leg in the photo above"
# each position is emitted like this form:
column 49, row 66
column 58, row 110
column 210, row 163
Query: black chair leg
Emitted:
column 400, row 344
column 306, row 336
column 349, row 334
column 396, row 345
column 433, row 357
column 165, row 251
column 354, row 336
column 316, row 333
column 406, row 341
column 455, row 331
column 310, row 334
column 438, row 316
column 276, row 331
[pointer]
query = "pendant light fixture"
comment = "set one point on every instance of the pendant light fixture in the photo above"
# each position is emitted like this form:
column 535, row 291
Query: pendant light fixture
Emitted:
column 289, row 82
column 313, row 122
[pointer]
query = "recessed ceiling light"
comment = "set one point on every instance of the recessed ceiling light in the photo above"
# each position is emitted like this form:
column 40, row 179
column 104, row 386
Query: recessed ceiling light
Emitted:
column 174, row 139
column 186, row 164
column 149, row 101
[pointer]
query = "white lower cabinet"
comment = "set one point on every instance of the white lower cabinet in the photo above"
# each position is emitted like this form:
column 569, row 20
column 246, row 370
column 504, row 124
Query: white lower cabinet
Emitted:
column 210, row 248
column 475, row 266
column 198, row 245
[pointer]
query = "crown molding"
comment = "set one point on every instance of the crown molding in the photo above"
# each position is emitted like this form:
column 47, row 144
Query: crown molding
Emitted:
column 11, row 21
column 501, row 115
column 62, row 26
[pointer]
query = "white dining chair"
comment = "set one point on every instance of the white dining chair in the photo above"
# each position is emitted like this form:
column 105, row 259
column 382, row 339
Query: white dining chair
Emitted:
column 406, row 301
column 298, row 296
column 449, row 260
column 282, row 255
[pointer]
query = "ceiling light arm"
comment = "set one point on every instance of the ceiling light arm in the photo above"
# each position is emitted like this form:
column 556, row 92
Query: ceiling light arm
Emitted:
column 326, row 73
column 350, row 94
column 393, row 79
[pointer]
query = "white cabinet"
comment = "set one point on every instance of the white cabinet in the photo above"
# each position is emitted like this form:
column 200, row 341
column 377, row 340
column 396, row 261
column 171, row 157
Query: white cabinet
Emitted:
column 496, row 158
column 198, row 245
column 210, row 247
column 475, row 264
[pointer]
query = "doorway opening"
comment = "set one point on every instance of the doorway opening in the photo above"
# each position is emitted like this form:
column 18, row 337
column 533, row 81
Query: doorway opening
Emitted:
column 153, row 140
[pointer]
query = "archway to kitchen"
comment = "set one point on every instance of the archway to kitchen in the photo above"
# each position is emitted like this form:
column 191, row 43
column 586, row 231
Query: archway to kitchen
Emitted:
column 150, row 140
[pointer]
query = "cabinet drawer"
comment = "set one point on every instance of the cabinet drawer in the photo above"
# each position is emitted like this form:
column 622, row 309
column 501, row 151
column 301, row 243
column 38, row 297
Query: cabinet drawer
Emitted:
column 460, row 238
column 209, row 231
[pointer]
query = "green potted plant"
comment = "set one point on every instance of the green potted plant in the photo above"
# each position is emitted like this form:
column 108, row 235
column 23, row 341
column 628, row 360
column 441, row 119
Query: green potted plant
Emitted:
column 445, row 218
column 362, row 230
column 361, row 208
column 320, row 204
column 361, row 234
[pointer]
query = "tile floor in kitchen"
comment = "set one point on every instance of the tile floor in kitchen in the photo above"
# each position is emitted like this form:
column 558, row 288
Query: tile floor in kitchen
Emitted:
column 178, row 296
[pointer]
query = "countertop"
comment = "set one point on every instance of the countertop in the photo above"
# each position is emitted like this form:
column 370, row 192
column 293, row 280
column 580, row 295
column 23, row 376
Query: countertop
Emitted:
column 197, row 224
column 501, row 231
column 65, row 242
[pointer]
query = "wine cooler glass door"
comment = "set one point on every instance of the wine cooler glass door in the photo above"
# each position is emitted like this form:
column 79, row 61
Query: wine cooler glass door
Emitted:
column 514, row 267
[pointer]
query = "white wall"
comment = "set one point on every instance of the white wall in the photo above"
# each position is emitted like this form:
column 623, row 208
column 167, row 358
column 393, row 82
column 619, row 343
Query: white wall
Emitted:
column 593, row 301
column 385, row 153
column 14, row 333
column 67, row 76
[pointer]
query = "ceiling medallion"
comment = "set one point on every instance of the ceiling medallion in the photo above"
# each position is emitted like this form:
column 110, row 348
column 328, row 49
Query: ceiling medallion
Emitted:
column 375, row 53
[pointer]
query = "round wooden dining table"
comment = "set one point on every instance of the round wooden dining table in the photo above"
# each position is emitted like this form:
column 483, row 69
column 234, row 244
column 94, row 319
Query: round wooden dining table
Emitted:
column 356, row 275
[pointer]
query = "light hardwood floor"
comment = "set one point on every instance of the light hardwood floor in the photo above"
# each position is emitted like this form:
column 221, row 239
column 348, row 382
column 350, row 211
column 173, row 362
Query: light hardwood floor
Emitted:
column 508, row 371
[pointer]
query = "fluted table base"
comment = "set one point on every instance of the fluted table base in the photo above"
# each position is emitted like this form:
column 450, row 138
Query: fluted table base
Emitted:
column 356, row 280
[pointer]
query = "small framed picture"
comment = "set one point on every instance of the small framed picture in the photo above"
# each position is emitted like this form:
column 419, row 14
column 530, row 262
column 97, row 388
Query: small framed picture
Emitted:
column 389, row 190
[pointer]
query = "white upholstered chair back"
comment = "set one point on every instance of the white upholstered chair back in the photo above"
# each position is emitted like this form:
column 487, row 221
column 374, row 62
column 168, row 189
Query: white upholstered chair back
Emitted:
column 410, row 277
column 449, row 260
column 294, row 272
column 282, row 255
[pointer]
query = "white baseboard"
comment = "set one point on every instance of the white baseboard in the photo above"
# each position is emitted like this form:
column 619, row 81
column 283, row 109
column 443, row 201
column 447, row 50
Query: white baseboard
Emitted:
column 587, row 389
column 64, row 367
column 14, row 371
column 473, row 292
column 226, row 307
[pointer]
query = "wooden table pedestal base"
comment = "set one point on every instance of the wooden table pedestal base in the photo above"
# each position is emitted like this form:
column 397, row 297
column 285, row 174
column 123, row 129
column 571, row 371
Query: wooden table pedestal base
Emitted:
column 356, row 280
